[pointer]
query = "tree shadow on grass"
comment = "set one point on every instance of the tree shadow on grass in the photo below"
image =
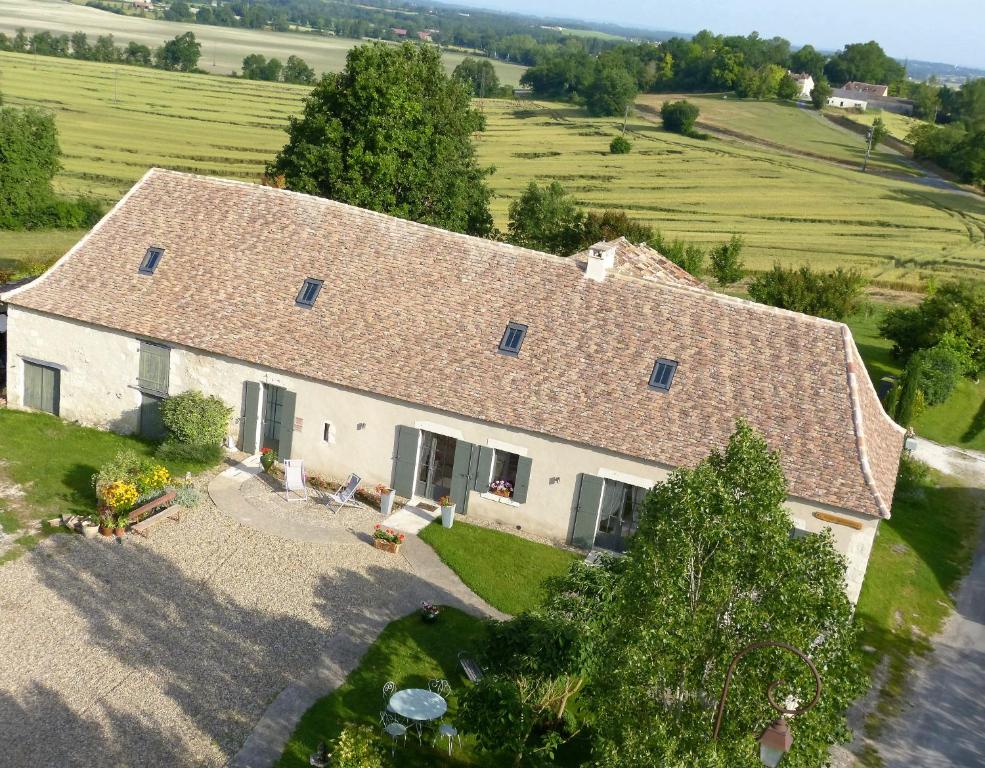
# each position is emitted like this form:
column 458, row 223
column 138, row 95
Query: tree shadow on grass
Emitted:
column 976, row 426
column 197, row 651
column 82, row 496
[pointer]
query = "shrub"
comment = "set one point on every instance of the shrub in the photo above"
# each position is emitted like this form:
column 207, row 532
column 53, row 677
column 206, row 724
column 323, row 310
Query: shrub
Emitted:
column 356, row 747
column 620, row 146
column 726, row 261
column 193, row 418
column 679, row 116
column 187, row 496
column 203, row 454
column 833, row 295
column 938, row 371
column 127, row 478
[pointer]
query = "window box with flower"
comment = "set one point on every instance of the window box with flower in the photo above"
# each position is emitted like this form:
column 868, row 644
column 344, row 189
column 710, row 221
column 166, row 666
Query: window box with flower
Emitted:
column 387, row 539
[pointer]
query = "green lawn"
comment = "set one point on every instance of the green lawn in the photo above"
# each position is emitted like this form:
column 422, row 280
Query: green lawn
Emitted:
column 478, row 555
column 408, row 652
column 918, row 557
column 959, row 421
column 53, row 461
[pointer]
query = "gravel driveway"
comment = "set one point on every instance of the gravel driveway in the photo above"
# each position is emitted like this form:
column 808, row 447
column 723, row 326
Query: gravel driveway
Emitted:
column 166, row 652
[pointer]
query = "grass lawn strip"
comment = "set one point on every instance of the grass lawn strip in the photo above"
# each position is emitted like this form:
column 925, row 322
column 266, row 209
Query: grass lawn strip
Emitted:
column 54, row 482
column 504, row 570
column 918, row 557
column 408, row 652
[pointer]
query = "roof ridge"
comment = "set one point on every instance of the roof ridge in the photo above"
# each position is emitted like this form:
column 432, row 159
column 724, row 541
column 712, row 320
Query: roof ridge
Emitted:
column 348, row 206
column 861, row 446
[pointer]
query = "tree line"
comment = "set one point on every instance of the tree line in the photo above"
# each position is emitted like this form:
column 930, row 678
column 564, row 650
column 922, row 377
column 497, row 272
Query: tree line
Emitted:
column 178, row 54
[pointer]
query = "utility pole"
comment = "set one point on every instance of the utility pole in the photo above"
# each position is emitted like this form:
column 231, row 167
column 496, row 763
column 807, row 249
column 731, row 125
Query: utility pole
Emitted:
column 868, row 149
column 116, row 90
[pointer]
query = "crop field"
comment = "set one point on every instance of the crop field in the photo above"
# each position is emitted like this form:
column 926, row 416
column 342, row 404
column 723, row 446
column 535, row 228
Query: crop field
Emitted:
column 223, row 48
column 783, row 124
column 115, row 122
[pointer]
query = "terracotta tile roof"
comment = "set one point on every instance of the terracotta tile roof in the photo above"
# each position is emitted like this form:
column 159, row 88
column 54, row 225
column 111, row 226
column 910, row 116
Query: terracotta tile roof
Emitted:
column 415, row 313
column 645, row 263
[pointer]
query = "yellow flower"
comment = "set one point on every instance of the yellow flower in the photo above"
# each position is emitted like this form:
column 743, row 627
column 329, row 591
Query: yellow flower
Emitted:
column 119, row 494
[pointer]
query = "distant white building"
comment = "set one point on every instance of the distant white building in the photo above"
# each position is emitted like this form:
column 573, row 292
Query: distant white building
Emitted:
column 805, row 82
column 847, row 100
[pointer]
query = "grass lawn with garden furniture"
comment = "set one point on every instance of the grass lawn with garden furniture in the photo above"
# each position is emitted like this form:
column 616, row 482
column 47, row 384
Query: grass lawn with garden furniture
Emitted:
column 51, row 462
column 477, row 555
column 409, row 652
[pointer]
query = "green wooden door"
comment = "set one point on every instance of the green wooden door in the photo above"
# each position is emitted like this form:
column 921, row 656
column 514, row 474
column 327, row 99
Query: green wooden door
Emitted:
column 405, row 461
column 151, row 424
column 587, row 511
column 273, row 408
column 41, row 387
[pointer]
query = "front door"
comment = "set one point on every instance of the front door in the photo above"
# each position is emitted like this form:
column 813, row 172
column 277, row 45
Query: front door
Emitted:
column 273, row 410
column 151, row 424
column 619, row 514
column 434, row 466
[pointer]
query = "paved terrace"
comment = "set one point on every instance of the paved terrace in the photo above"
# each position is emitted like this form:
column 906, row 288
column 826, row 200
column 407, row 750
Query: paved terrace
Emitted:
column 203, row 644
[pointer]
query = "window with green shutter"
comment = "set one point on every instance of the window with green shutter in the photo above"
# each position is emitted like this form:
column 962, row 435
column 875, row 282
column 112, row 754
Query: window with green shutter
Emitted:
column 155, row 365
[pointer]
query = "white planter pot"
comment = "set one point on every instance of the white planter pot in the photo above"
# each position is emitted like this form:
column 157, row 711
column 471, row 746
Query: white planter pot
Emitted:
column 386, row 503
column 89, row 530
column 448, row 515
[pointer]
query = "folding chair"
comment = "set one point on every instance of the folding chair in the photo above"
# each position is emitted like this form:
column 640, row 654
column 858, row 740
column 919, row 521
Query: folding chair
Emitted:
column 344, row 495
column 294, row 485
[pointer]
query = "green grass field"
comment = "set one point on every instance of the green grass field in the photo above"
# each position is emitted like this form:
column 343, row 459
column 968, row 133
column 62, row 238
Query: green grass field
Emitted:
column 223, row 48
column 115, row 122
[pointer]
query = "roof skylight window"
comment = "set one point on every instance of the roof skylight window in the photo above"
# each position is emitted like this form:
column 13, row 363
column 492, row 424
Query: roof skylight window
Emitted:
column 151, row 259
column 513, row 339
column 309, row 292
column 663, row 374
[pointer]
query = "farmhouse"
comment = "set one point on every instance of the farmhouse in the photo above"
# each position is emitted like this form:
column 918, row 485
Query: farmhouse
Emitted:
column 847, row 99
column 866, row 90
column 440, row 363
column 804, row 82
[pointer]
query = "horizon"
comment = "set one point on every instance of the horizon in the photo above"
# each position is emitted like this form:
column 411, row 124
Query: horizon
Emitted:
column 918, row 35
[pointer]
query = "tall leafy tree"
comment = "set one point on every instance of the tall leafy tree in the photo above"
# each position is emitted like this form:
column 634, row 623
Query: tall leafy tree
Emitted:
column 808, row 59
column 726, row 261
column 610, row 92
column 180, row 53
column 28, row 161
column 834, row 295
column 821, row 93
column 298, row 72
column 712, row 568
column 392, row 132
column 479, row 74
column 546, row 219
column 865, row 62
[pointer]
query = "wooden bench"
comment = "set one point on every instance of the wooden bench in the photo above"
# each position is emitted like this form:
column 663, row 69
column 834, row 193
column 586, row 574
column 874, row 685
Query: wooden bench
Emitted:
column 146, row 515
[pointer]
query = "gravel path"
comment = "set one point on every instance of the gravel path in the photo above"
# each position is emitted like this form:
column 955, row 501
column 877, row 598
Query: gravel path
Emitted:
column 167, row 651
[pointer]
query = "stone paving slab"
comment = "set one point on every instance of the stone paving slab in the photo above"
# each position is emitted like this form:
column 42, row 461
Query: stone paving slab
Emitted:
column 411, row 519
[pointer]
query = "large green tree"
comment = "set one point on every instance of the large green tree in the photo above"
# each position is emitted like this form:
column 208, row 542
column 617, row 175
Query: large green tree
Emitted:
column 28, row 161
column 610, row 92
column 865, row 62
column 546, row 219
column 479, row 74
column 834, row 295
column 808, row 59
column 180, row 53
column 391, row 132
column 712, row 568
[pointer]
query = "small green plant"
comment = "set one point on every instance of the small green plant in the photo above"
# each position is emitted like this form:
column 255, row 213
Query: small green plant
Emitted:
column 268, row 457
column 191, row 417
column 356, row 747
column 186, row 496
column 620, row 146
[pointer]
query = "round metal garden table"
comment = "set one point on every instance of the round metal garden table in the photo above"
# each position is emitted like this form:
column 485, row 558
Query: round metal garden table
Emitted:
column 419, row 706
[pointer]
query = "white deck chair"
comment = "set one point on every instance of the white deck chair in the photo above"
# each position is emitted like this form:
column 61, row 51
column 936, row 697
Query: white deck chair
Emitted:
column 294, row 485
column 344, row 495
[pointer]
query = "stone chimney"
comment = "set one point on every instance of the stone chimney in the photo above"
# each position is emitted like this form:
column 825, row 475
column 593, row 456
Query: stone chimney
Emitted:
column 601, row 258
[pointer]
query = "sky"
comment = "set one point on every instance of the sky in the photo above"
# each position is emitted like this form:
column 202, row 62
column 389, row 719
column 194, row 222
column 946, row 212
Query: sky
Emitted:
column 950, row 31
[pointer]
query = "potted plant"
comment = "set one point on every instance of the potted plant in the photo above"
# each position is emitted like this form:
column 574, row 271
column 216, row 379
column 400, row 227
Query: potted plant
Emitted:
column 322, row 758
column 267, row 458
column 429, row 612
column 387, row 495
column 501, row 488
column 120, row 520
column 90, row 526
column 387, row 539
column 447, row 511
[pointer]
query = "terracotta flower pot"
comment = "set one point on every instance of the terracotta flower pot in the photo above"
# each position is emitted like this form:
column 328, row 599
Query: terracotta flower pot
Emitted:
column 105, row 530
column 119, row 532
column 387, row 546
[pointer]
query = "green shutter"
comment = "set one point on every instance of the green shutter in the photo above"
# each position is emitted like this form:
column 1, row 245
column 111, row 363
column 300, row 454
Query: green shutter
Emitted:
column 286, row 436
column 483, row 470
column 405, row 461
column 523, row 464
column 587, row 511
column 248, row 423
column 155, row 364
column 461, row 474
column 32, row 386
